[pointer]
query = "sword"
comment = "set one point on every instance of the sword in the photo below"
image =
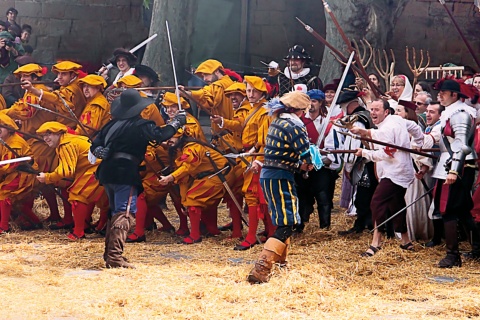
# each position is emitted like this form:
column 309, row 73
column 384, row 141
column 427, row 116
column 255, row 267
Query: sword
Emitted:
column 154, row 88
column 403, row 209
column 173, row 66
column 26, row 134
column 249, row 164
column 227, row 187
column 14, row 160
column 242, row 155
column 74, row 116
column 355, row 136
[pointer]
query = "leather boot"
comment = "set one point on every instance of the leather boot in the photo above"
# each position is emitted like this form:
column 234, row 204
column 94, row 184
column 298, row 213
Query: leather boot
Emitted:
column 116, row 235
column 437, row 234
column 324, row 216
column 452, row 259
column 271, row 253
column 282, row 262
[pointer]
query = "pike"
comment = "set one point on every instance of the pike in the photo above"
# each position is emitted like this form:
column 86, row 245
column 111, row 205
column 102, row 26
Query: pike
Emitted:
column 141, row 44
column 22, row 83
column 155, row 88
column 177, row 92
column 358, row 137
column 39, row 107
column 26, row 134
column 249, row 164
column 403, row 209
column 339, row 54
column 469, row 47
column 362, row 72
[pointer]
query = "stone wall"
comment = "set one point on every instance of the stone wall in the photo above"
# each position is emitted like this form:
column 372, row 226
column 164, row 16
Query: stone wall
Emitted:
column 83, row 30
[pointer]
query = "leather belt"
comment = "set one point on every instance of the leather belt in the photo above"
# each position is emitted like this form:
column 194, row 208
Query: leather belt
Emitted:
column 204, row 174
column 124, row 155
column 274, row 164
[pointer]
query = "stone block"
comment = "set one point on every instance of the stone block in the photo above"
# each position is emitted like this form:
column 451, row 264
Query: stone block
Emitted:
column 29, row 9
column 261, row 18
column 54, row 11
column 269, row 5
column 57, row 27
column 48, row 41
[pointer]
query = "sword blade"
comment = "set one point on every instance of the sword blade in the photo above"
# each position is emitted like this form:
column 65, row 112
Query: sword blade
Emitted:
column 21, row 159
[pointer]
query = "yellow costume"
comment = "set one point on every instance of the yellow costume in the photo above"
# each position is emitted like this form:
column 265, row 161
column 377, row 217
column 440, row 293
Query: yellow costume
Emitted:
column 72, row 153
column 95, row 115
column 72, row 94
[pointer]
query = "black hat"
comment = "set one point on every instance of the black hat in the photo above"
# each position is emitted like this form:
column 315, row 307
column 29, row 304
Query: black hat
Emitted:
column 347, row 96
column 125, row 53
column 453, row 86
column 143, row 70
column 297, row 52
column 129, row 104
column 408, row 104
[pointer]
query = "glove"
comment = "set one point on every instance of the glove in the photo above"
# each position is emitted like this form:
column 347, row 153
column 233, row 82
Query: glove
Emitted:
column 101, row 152
column 179, row 120
column 91, row 158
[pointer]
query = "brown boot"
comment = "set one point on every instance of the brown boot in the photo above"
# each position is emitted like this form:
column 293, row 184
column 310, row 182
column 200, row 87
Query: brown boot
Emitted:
column 116, row 235
column 272, row 251
column 282, row 262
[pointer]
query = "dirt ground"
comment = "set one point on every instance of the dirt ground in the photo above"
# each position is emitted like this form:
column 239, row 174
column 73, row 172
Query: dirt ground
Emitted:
column 45, row 276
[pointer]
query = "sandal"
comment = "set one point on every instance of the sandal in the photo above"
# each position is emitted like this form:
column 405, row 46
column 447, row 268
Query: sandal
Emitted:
column 370, row 254
column 408, row 247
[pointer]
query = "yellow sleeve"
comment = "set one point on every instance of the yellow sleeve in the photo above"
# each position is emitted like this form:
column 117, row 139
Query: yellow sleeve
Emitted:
column 53, row 98
column 205, row 97
column 188, row 162
column 265, row 121
column 68, row 158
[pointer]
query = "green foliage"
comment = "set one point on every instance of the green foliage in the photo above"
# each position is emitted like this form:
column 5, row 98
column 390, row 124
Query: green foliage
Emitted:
column 146, row 4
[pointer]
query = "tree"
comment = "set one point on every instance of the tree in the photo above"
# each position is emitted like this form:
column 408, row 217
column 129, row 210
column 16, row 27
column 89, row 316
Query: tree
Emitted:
column 179, row 14
column 370, row 19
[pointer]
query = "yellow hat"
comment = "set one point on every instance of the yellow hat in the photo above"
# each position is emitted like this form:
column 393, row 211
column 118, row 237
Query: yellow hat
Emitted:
column 256, row 82
column 94, row 80
column 31, row 68
column 170, row 99
column 209, row 66
column 66, row 66
column 129, row 81
column 296, row 100
column 7, row 121
column 237, row 87
column 51, row 126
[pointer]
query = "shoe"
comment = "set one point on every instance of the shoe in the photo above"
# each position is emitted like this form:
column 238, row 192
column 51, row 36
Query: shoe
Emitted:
column 72, row 236
column 60, row 225
column 240, row 247
column 31, row 226
column 190, row 240
column 182, row 232
column 432, row 243
column 135, row 238
column 368, row 254
column 407, row 247
column 472, row 255
column 452, row 259
column 349, row 231
column 170, row 230
column 226, row 227
column 151, row 227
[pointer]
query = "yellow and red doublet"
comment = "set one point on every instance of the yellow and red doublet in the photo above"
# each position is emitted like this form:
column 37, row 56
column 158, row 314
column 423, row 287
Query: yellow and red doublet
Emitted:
column 15, row 184
column 157, row 159
column 95, row 115
column 74, row 98
column 193, row 170
column 73, row 164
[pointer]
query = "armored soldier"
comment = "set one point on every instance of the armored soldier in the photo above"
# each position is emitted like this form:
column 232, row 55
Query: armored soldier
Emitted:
column 455, row 169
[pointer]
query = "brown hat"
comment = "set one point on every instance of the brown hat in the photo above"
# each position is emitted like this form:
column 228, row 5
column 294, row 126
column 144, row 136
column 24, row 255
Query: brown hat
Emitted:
column 296, row 100
column 121, row 52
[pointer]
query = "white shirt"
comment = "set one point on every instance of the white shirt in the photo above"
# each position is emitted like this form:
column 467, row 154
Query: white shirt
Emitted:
column 391, row 163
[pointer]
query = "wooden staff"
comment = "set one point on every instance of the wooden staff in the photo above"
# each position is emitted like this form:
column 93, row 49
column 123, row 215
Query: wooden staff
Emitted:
column 22, row 83
column 469, row 47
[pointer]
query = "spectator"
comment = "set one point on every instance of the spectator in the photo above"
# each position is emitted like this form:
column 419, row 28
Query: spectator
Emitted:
column 3, row 26
column 13, row 93
column 9, row 51
column 12, row 14
column 26, row 33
